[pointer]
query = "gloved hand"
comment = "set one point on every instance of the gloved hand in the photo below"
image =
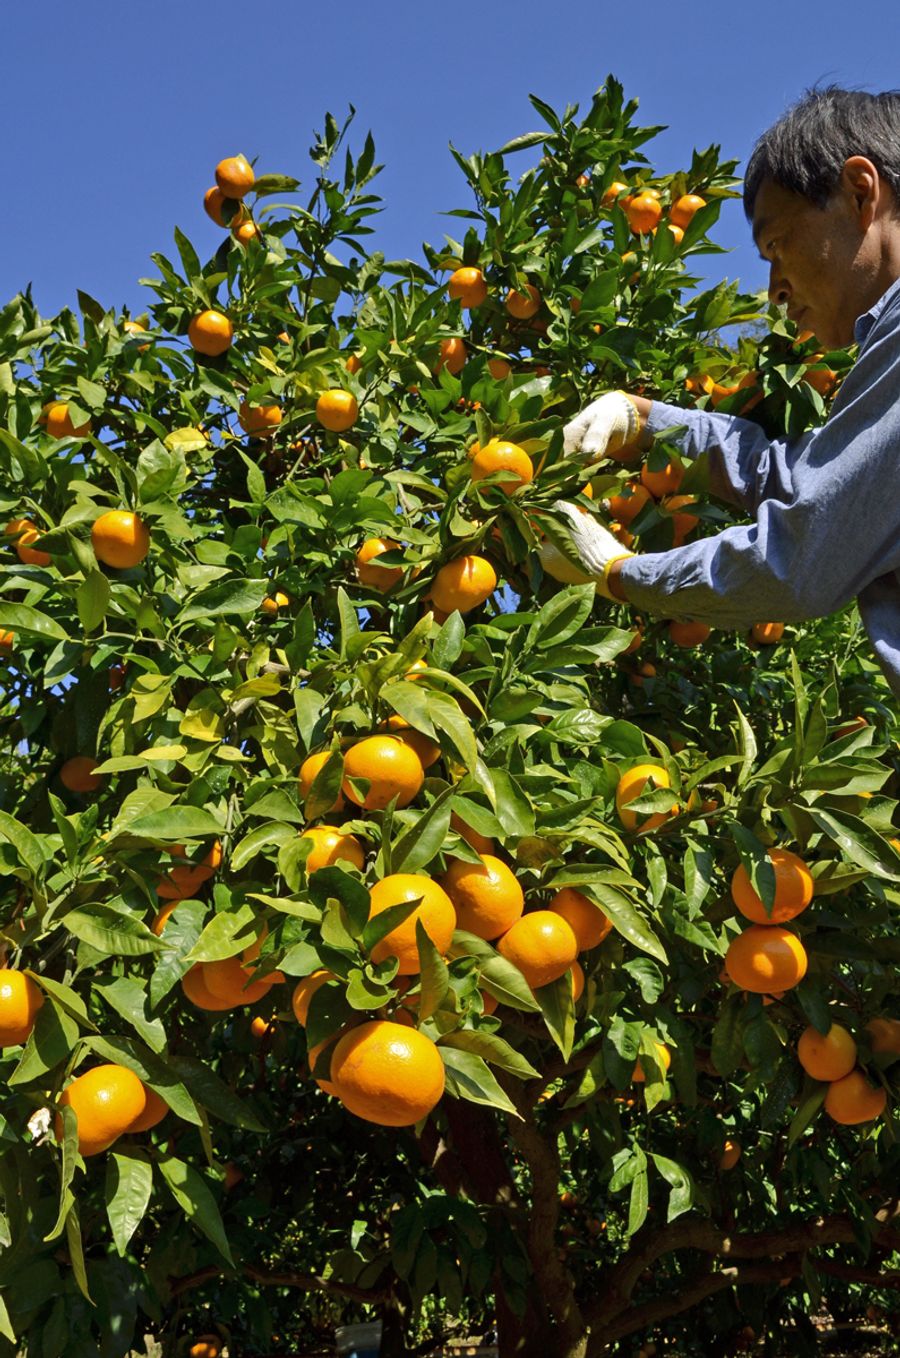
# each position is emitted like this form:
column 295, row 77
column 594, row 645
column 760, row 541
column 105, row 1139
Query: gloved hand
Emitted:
column 603, row 427
column 595, row 545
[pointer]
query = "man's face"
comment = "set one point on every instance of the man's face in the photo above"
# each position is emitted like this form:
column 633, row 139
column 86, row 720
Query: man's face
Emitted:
column 822, row 265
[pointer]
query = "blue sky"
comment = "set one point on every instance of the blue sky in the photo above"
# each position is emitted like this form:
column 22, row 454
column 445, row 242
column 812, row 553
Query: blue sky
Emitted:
column 117, row 112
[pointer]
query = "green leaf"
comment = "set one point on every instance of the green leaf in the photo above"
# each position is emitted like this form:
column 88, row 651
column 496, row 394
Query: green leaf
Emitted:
column 562, row 617
column 514, row 811
column 638, row 1202
column 129, row 1181
column 727, row 1047
column 213, row 1093
column 558, row 1009
column 195, row 1198
column 76, row 1251
column 53, row 1037
column 217, row 940
column 502, row 980
column 806, row 1113
column 434, row 975
column 30, row 621
column 32, row 853
column 239, row 597
column 468, row 1077
column 128, row 998
column 626, row 918
column 859, row 842
column 272, row 833
column 757, row 863
column 67, row 998
column 492, row 1049
column 176, row 824
column 381, row 924
column 424, row 839
column 111, row 933
column 92, row 600
column 681, row 1198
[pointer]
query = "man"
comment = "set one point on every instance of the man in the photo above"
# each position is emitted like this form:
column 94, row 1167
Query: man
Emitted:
column 823, row 193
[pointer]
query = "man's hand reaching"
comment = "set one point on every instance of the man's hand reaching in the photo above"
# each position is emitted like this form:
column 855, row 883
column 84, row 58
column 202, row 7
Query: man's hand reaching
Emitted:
column 603, row 427
column 595, row 545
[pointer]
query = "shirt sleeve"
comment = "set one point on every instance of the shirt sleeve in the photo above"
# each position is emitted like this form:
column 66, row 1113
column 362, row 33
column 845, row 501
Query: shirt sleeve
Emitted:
column 745, row 467
column 828, row 533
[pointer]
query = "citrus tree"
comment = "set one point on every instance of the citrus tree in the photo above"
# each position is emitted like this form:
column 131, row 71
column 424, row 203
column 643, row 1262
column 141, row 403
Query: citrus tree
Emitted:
column 388, row 921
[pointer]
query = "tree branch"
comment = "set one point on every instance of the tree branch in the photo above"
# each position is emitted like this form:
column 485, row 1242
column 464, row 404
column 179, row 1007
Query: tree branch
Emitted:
column 308, row 1282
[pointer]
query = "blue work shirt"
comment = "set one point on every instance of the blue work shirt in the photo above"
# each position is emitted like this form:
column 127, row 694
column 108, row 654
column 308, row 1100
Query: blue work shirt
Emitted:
column 826, row 510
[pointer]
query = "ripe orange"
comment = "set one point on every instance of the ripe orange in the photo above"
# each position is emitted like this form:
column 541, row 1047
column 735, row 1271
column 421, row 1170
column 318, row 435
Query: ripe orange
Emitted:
column 576, row 972
column 246, row 232
column 793, row 889
column 884, row 1035
column 767, row 633
column 677, row 232
column 389, row 766
column 463, row 584
column 499, row 369
column 308, row 771
column 765, row 958
column 453, row 355
column 337, row 410
column 273, row 602
column 120, row 539
column 28, row 555
column 480, row 843
column 210, row 333
column 828, row 1056
column 261, row 1027
column 682, row 524
column 523, row 305
column 162, row 915
column 467, row 286
column 186, row 881
column 508, row 458
column 628, row 503
column 234, row 176
column 682, row 211
column 731, row 1153
column 7, row 639
column 589, row 924
column 259, row 420
column 665, row 481
column 208, row 1345
column 820, row 378
column 487, row 896
column 663, row 1061
column 135, row 328
column 20, row 1000
column 387, row 1073
column 353, row 363
column 542, row 945
column 193, row 983
column 304, row 991
column 232, row 980
column 611, row 194
column 77, row 774
column 377, row 577
column 630, row 786
column 214, row 201
column 428, row 750
column 155, row 1110
column 853, row 1100
column 435, row 910
column 106, row 1101
column 59, row 423
column 330, row 846
column 643, row 213
column 689, row 633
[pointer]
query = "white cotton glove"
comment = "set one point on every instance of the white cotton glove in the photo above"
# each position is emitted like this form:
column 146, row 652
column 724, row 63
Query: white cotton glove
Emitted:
column 595, row 545
column 603, row 427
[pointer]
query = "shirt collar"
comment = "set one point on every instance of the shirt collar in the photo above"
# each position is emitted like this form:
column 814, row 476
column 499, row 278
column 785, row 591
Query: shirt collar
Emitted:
column 864, row 323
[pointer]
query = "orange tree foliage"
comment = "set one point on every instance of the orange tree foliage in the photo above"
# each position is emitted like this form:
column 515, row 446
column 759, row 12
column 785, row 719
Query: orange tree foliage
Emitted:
column 547, row 1194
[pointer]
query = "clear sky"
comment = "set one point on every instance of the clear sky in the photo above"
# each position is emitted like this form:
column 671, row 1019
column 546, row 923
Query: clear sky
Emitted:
column 116, row 111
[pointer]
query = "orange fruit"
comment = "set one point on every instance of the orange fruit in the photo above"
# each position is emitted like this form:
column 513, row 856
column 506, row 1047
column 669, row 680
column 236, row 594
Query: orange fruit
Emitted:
column 304, row 991
column 135, row 328
column 826, row 1056
column 689, row 633
column 387, row 1073
column 435, row 910
column 643, row 213
column 626, row 505
column 259, row 420
column 611, row 194
column 663, row 1061
column 428, row 750
column 20, row 1000
column 261, row 1027
column 7, row 639
column 576, row 972
column 186, row 881
column 59, row 423
column 377, row 577
column 767, row 633
column 208, row 1345
column 765, row 958
column 588, row 922
column 210, row 333
column 682, row 211
column 793, row 889
column 28, row 555
column 852, row 1100
column 677, row 232
column 630, row 786
column 480, row 843
column 731, row 1153
column 193, row 983
column 230, row 979
column 884, row 1035
column 523, row 305
column 337, row 410
column 389, row 766
column 820, row 378
column 246, row 232
column 353, row 363
column 120, row 539
column 542, row 945
column 463, row 584
column 214, row 201
column 273, row 602
column 155, row 1110
column 308, row 771
column 234, row 176
column 467, row 286
column 665, row 481
column 330, row 846
column 106, row 1101
column 77, row 774
column 499, row 368
column 682, row 524
column 162, row 916
column 508, row 458
column 453, row 355
column 486, row 896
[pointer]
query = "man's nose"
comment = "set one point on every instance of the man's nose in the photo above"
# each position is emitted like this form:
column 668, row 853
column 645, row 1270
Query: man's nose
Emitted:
column 779, row 288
